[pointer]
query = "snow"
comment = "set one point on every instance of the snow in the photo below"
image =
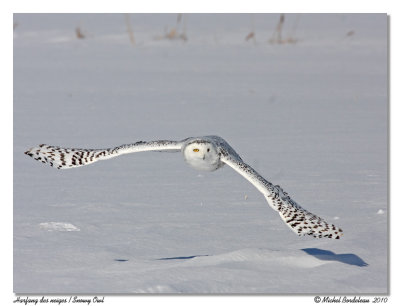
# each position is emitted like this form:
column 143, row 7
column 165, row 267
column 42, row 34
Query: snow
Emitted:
column 58, row 226
column 311, row 117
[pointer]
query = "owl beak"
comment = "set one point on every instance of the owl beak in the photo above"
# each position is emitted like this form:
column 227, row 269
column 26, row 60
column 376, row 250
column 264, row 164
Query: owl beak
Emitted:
column 204, row 157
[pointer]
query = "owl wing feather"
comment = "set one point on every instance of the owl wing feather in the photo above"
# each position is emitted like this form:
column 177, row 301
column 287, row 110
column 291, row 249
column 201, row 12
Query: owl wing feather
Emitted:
column 299, row 220
column 66, row 158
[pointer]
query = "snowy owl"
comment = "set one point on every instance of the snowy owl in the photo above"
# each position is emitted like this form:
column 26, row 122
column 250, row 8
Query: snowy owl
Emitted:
column 207, row 153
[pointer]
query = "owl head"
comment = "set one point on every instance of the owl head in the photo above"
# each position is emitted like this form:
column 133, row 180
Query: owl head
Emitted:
column 202, row 155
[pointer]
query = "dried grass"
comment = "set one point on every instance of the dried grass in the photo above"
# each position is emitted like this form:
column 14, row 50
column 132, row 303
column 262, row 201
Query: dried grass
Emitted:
column 79, row 33
column 175, row 33
column 277, row 34
column 252, row 34
column 129, row 29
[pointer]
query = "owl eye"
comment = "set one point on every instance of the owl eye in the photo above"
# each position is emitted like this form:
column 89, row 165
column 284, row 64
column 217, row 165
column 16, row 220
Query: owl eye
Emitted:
column 195, row 150
column 208, row 150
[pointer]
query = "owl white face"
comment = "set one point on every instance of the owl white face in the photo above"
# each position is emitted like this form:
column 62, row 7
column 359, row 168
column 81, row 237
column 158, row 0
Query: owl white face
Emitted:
column 202, row 156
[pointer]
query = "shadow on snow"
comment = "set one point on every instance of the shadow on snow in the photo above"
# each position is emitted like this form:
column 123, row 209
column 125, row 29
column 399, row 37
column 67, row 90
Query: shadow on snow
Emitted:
column 350, row 259
column 181, row 257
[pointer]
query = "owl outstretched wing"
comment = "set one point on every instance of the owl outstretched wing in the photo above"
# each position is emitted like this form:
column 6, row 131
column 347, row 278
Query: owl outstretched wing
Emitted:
column 66, row 158
column 299, row 220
